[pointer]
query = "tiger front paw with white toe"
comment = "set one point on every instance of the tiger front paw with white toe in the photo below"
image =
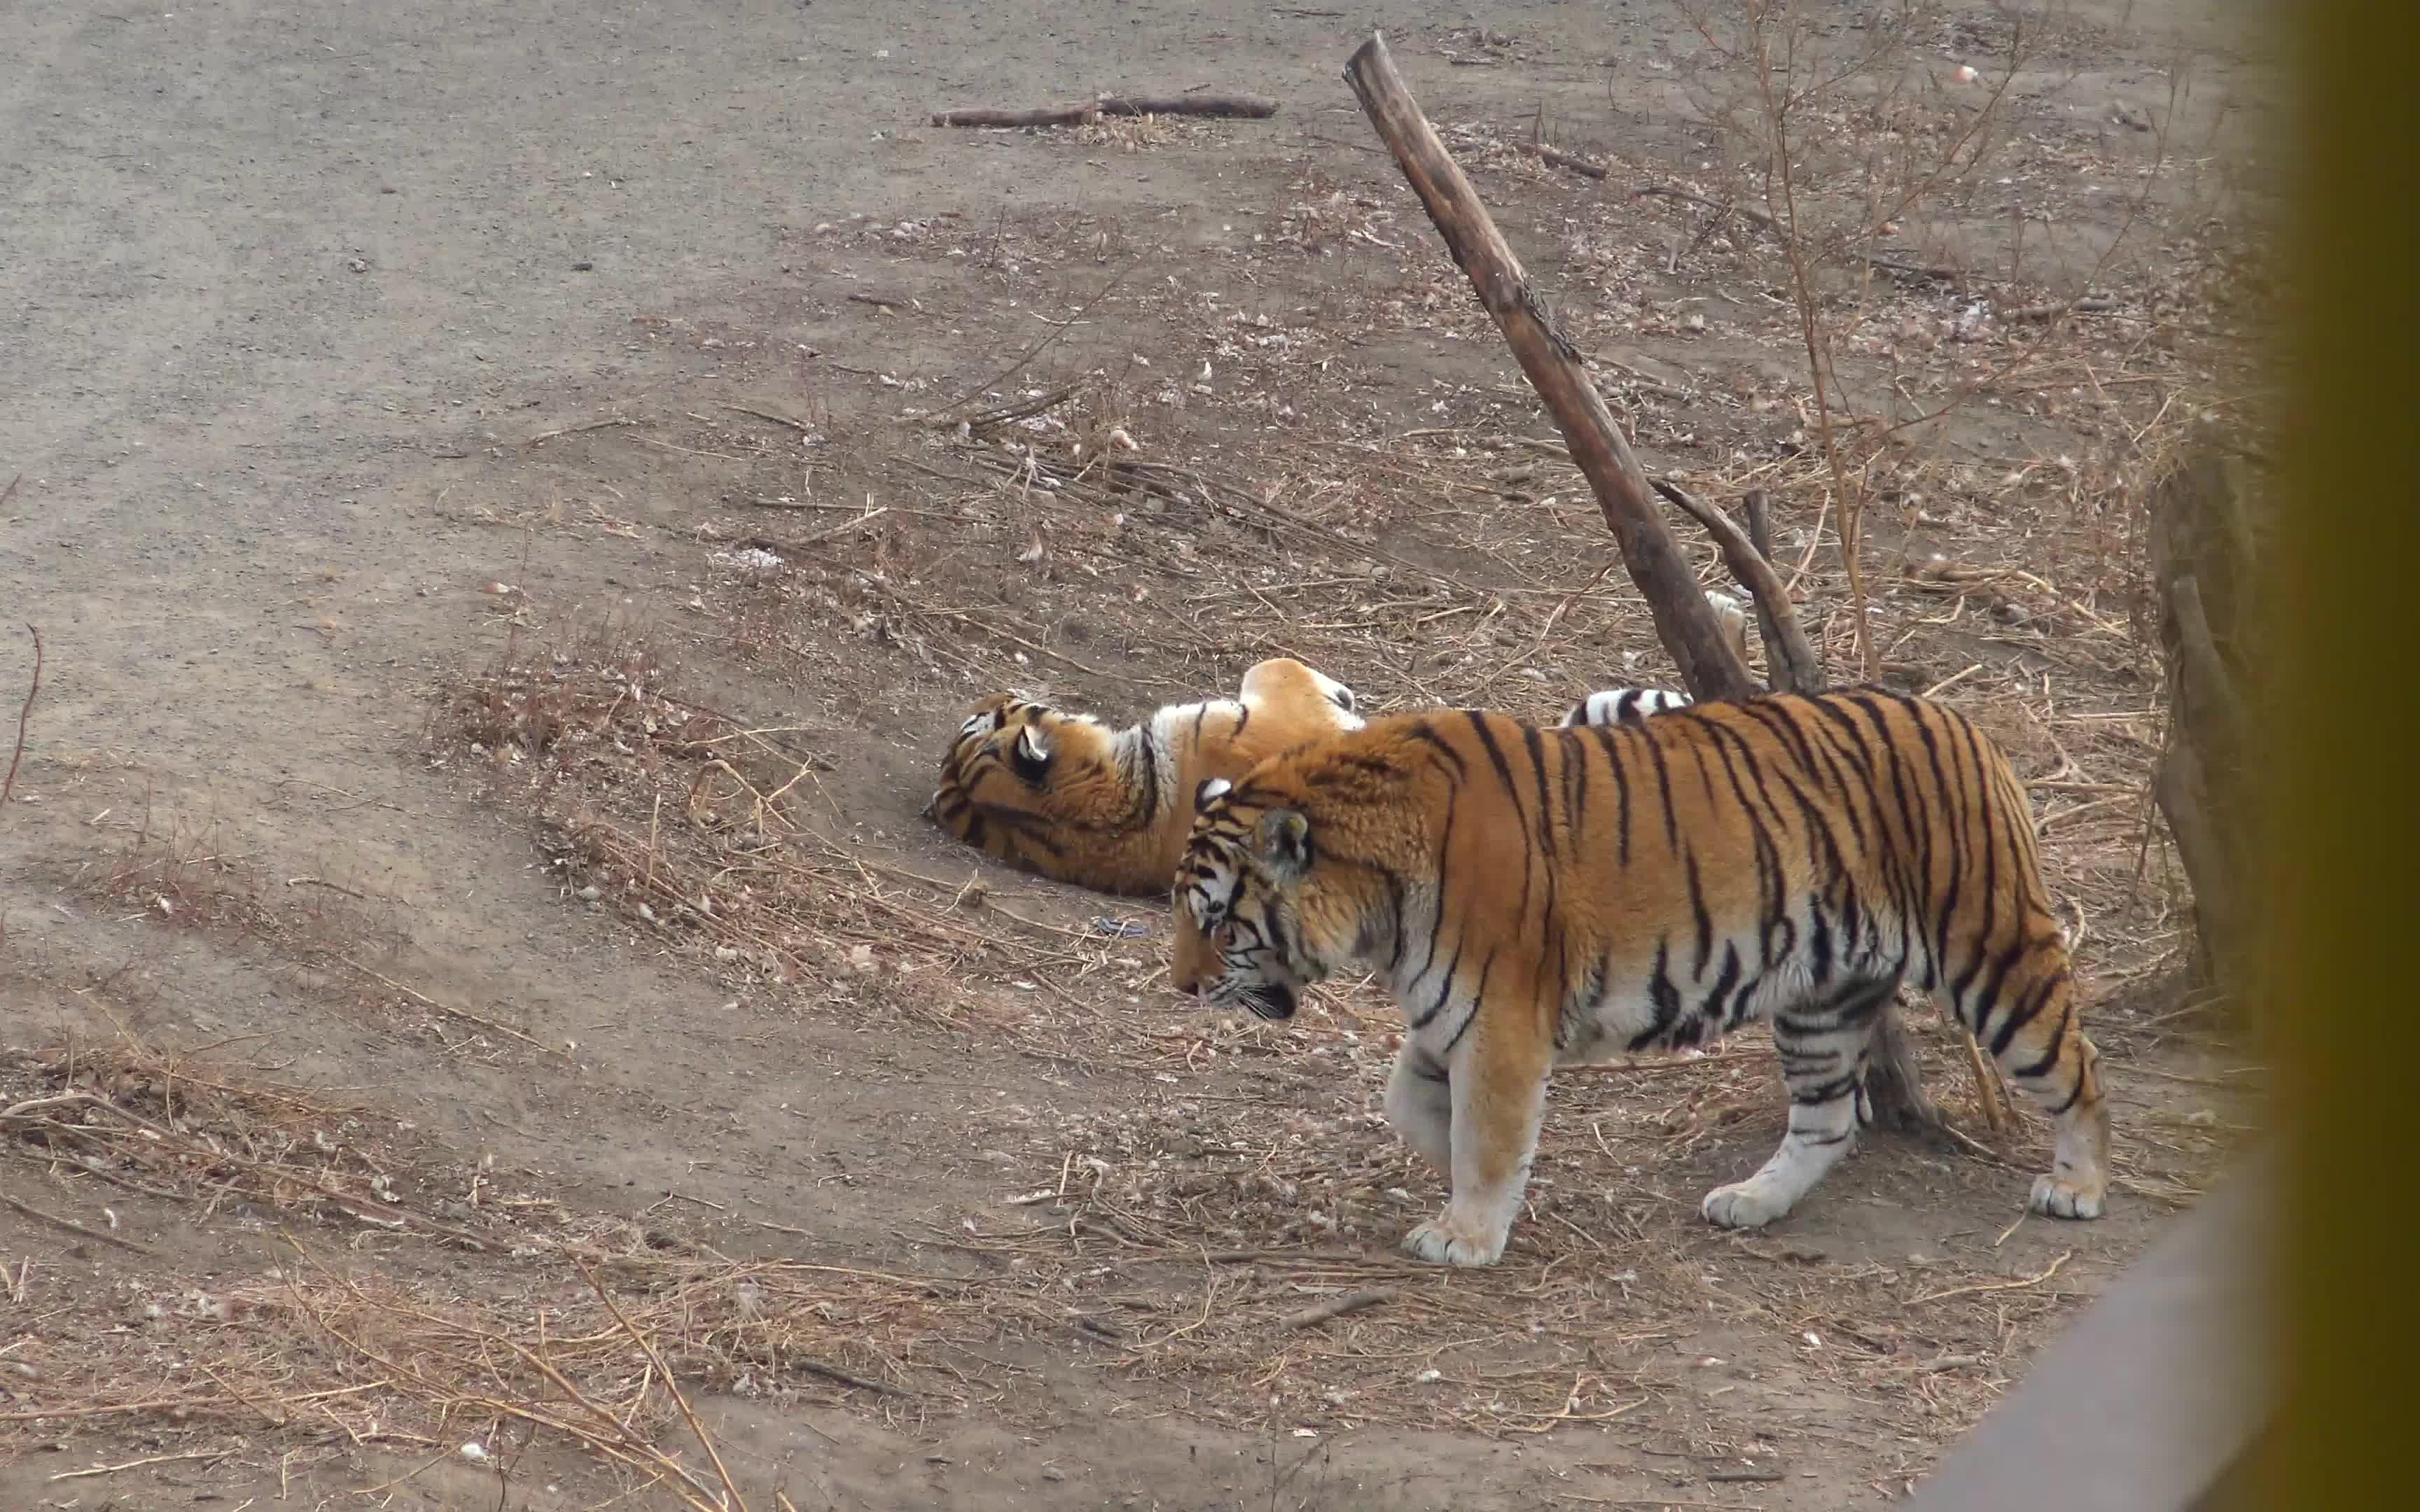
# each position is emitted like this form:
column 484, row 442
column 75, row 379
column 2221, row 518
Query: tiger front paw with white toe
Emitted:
column 1748, row 1204
column 1442, row 1242
column 2054, row 1198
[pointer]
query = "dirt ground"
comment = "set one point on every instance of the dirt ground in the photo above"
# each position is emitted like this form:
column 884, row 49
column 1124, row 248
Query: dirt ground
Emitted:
column 515, row 499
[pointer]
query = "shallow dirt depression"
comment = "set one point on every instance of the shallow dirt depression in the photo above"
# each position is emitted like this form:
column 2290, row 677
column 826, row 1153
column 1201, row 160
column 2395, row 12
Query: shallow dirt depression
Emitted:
column 516, row 504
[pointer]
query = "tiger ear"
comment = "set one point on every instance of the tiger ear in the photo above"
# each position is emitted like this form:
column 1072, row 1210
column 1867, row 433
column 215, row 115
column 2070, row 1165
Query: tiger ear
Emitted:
column 1031, row 755
column 1210, row 792
column 1285, row 843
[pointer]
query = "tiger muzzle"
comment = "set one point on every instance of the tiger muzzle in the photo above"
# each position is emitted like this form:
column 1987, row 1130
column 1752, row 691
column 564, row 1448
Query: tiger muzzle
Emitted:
column 1272, row 1000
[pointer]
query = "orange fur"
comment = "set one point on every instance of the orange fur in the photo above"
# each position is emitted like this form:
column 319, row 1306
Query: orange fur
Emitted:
column 1535, row 897
column 1067, row 796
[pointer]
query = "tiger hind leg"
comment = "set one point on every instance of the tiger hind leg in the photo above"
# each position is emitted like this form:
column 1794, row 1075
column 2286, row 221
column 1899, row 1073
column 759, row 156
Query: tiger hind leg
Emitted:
column 1822, row 1047
column 2031, row 1028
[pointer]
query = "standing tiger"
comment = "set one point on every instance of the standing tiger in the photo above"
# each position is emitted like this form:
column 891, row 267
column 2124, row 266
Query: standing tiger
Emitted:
column 1541, row 896
column 1069, row 797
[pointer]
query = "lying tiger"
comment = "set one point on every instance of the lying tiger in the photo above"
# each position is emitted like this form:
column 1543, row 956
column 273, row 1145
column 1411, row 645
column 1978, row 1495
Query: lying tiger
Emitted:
column 1541, row 896
column 1067, row 796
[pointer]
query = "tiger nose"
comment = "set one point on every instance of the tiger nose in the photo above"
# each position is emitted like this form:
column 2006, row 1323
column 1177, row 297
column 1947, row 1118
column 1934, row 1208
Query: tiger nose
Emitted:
column 1186, row 982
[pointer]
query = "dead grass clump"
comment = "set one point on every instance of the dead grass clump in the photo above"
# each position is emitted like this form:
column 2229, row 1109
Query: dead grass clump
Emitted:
column 178, row 1128
column 585, row 1328
column 173, row 869
column 1327, row 217
column 714, row 837
column 596, row 1348
column 1142, row 133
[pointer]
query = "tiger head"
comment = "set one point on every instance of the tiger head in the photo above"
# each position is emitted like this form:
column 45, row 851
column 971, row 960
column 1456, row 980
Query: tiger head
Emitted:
column 1018, row 764
column 1260, row 908
column 1070, row 797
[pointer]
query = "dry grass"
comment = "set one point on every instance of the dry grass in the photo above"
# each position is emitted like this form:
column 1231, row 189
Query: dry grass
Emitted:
column 188, row 871
column 582, row 1330
column 716, row 838
column 1203, row 1244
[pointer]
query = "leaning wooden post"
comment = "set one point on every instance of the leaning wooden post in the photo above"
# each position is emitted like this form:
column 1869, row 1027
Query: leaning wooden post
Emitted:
column 1684, row 622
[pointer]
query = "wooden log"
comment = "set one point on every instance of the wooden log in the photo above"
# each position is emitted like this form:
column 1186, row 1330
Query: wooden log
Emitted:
column 1230, row 107
column 1759, row 522
column 1573, row 161
column 1683, row 621
column 1083, row 115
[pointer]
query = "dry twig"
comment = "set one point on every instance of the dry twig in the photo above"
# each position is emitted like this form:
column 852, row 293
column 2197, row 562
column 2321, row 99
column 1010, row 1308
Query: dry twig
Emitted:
column 71, row 1226
column 1351, row 1302
column 1241, row 107
column 24, row 712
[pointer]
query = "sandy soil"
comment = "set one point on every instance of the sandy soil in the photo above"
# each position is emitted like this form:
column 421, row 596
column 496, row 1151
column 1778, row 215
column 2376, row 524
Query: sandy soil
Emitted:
column 389, row 382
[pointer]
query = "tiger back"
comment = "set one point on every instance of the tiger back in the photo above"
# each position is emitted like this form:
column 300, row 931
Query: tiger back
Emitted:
column 1534, row 897
column 1069, row 797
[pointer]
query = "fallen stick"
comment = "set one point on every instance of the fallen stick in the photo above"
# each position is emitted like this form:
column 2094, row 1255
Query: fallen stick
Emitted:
column 137, row 1464
column 1936, row 1364
column 24, row 712
column 671, row 1384
column 1237, row 107
column 842, row 1377
column 1561, row 158
column 774, row 415
column 544, row 437
column 462, row 1014
column 800, row 545
column 1232, row 107
column 2056, row 310
column 70, row 1225
column 1351, row 1302
column 84, row 1412
column 1084, row 114
column 1987, row 1085
column 2018, row 1285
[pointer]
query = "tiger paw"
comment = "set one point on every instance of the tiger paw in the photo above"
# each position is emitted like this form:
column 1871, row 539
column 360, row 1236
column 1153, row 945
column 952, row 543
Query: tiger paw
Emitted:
column 1442, row 1242
column 2054, row 1198
column 1748, row 1204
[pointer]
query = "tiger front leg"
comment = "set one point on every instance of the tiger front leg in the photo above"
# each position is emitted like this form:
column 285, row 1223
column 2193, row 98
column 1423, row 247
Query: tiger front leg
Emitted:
column 1497, row 1095
column 1823, row 1048
column 1419, row 1106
